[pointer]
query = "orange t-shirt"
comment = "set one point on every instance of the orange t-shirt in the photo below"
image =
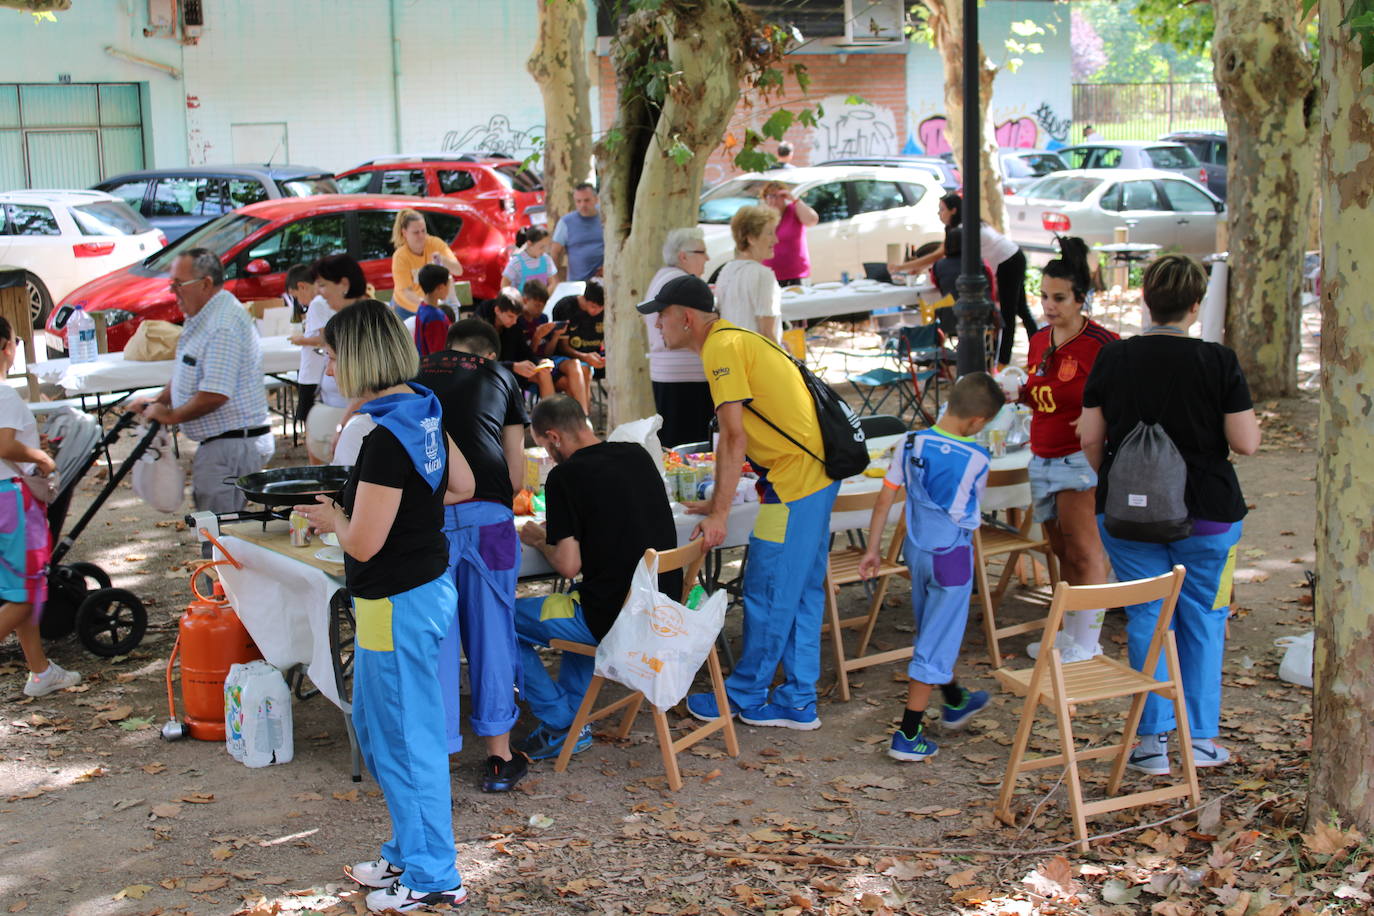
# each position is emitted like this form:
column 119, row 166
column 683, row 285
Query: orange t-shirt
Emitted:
column 406, row 264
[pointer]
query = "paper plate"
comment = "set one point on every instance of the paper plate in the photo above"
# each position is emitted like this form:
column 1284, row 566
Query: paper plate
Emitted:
column 330, row 538
column 330, row 554
column 833, row 284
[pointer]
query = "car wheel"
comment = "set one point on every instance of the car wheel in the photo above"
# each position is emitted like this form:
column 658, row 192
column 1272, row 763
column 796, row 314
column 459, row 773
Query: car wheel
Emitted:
column 40, row 303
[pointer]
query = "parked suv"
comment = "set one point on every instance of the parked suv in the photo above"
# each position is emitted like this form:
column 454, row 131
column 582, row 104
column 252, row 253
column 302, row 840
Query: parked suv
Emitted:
column 62, row 239
column 178, row 200
column 1135, row 154
column 259, row 243
column 943, row 170
column 511, row 195
column 1209, row 146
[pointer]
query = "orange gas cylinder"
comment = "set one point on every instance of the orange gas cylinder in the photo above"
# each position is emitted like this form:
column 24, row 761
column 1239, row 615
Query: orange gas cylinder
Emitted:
column 211, row 639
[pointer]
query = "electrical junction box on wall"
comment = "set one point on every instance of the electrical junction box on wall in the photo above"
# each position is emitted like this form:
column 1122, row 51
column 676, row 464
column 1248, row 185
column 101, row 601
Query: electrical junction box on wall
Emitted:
column 873, row 22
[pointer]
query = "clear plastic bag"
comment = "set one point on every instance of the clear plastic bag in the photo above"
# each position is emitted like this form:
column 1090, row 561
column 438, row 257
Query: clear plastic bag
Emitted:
column 1296, row 667
column 658, row 645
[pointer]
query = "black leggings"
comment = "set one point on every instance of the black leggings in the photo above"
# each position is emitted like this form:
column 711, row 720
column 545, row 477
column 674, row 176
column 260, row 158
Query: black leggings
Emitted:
column 1011, row 295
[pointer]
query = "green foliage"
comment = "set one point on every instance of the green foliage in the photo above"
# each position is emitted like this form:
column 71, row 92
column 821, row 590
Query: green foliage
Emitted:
column 778, row 122
column 679, row 152
column 1136, row 54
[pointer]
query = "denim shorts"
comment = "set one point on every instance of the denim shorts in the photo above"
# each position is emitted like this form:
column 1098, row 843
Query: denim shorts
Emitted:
column 1049, row 476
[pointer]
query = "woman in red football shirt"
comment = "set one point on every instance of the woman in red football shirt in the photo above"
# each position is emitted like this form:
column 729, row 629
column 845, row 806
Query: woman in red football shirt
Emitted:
column 1063, row 484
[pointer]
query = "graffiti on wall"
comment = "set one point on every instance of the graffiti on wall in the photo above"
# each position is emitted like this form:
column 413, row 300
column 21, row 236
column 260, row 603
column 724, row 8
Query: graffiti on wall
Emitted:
column 853, row 130
column 1042, row 129
column 495, row 136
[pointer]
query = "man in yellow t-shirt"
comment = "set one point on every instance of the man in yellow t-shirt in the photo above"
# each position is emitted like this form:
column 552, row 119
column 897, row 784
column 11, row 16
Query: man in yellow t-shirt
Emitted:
column 766, row 414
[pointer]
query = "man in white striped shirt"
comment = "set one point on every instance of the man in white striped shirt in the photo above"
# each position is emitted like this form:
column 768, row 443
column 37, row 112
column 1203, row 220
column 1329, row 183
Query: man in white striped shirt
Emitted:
column 216, row 394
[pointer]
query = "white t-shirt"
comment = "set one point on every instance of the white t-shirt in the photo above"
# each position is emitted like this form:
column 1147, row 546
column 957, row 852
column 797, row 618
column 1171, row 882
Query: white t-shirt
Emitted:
column 351, row 438
column 312, row 363
column 669, row 365
column 15, row 415
column 747, row 291
column 996, row 246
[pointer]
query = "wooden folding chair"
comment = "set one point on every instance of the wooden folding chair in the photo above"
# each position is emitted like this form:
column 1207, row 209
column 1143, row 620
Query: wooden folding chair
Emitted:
column 1066, row 688
column 689, row 559
column 995, row 540
column 843, row 569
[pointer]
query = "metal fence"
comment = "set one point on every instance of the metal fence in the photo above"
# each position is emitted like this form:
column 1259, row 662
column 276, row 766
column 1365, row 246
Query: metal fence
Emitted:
column 1145, row 111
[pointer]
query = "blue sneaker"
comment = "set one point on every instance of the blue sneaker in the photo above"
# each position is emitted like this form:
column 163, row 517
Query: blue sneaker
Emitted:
column 922, row 747
column 802, row 719
column 956, row 717
column 545, row 742
column 703, row 706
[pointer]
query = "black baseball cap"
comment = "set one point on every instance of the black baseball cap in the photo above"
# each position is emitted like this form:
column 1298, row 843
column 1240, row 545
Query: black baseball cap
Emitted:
column 689, row 291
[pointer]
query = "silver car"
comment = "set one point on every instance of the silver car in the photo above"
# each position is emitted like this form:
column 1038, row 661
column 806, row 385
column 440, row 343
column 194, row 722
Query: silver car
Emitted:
column 1134, row 154
column 1164, row 208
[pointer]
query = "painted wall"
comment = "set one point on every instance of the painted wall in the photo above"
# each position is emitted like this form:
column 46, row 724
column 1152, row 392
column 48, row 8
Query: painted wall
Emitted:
column 302, row 77
column 1030, row 108
column 38, row 52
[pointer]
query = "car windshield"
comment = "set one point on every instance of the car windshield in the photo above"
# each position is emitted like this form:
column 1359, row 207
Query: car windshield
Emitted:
column 109, row 217
column 1067, row 189
column 1172, row 157
column 308, row 187
column 218, row 235
column 721, row 202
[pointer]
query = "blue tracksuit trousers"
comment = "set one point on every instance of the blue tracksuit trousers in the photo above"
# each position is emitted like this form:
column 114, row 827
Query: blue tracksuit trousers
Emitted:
column 398, row 715
column 483, row 564
column 941, row 583
column 1199, row 620
column 784, row 602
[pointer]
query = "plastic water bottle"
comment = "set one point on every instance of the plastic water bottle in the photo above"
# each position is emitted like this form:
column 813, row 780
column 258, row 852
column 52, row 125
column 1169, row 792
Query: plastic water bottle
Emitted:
column 267, row 725
column 81, row 337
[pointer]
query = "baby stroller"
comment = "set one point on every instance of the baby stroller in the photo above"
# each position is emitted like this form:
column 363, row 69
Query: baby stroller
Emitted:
column 108, row 621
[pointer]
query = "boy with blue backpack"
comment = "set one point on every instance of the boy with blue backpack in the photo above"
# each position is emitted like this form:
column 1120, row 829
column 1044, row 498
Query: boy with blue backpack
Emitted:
column 944, row 472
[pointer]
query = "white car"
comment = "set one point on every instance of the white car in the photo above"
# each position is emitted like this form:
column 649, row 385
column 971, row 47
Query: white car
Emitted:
column 863, row 209
column 64, row 239
column 1158, row 206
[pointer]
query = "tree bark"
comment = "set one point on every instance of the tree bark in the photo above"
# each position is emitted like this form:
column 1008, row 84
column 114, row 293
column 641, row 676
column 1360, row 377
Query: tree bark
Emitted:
column 1342, row 728
column 647, row 192
column 1266, row 81
column 947, row 25
column 559, row 66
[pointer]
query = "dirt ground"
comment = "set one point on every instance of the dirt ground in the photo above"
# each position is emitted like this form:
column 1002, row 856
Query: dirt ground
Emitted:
column 100, row 816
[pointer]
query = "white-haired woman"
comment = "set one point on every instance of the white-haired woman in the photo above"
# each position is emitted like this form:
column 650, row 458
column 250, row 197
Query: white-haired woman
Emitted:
column 681, row 394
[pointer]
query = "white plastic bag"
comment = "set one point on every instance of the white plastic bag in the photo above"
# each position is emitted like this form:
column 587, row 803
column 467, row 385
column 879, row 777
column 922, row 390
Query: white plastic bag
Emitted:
column 657, row 645
column 158, row 478
column 645, row 432
column 1296, row 667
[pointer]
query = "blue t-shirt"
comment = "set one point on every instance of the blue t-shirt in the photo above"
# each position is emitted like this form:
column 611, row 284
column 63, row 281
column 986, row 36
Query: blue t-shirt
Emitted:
column 584, row 241
column 944, row 476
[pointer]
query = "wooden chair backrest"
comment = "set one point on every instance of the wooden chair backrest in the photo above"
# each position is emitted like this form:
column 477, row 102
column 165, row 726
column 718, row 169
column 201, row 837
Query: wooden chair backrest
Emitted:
column 1008, row 478
column 858, row 502
column 1068, row 597
column 688, row 558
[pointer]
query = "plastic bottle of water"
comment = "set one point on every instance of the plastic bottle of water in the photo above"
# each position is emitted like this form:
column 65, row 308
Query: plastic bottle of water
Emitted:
column 81, row 337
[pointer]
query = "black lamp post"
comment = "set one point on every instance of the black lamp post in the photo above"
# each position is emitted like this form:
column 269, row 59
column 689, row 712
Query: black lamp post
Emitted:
column 974, row 309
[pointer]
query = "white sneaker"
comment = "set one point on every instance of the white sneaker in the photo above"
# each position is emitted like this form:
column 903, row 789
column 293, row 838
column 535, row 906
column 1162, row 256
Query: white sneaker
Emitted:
column 54, row 679
column 377, row 873
column 402, row 899
column 1069, row 650
column 1207, row 753
column 1151, row 755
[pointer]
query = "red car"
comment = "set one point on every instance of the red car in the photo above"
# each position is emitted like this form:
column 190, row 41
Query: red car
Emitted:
column 257, row 245
column 513, row 196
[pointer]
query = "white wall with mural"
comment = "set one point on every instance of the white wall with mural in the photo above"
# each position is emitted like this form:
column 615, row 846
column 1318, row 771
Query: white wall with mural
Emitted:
column 846, row 129
column 1032, row 107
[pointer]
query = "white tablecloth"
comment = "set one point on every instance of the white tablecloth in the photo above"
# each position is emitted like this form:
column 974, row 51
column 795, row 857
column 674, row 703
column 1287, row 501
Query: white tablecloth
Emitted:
column 284, row 604
column 111, row 372
column 859, row 296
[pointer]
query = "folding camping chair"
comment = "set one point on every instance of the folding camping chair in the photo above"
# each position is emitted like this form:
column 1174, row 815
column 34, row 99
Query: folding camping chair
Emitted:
column 689, row 559
column 928, row 364
column 843, row 569
column 1066, row 689
column 994, row 539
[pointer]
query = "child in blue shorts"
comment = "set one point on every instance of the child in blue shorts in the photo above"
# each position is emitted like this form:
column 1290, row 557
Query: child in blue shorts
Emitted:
column 944, row 472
